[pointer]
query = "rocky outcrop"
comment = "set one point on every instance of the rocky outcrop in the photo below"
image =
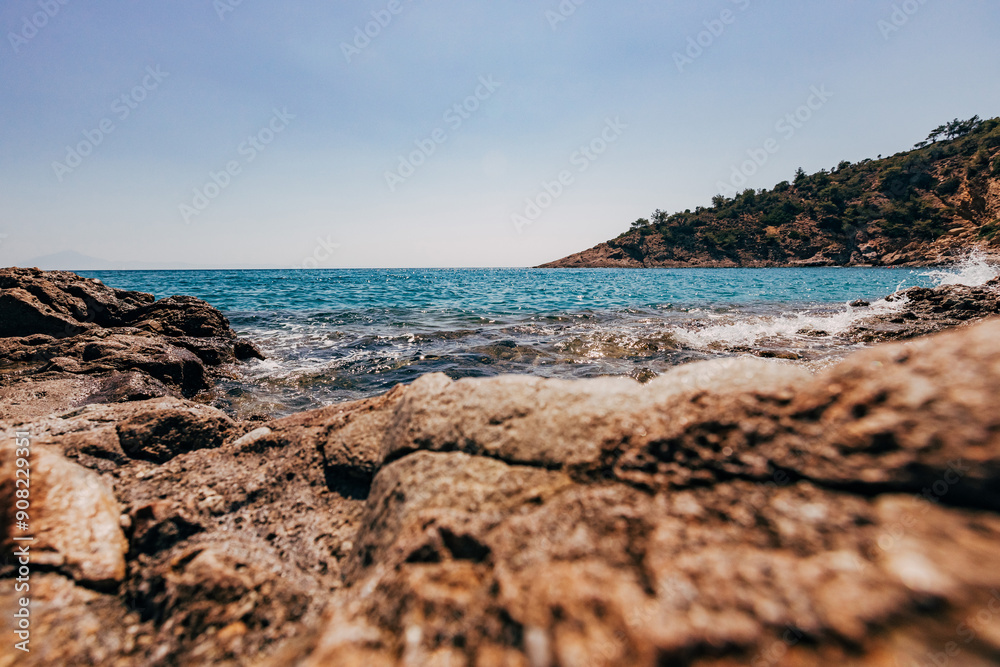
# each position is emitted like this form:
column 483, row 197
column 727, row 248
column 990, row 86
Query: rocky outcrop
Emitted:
column 79, row 342
column 730, row 512
column 926, row 310
column 635, row 250
column 61, row 303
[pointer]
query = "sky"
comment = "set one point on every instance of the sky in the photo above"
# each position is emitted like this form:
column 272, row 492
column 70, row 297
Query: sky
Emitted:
column 411, row 133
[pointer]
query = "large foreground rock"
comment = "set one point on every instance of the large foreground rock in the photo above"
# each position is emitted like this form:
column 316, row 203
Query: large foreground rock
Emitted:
column 73, row 517
column 727, row 513
column 733, row 514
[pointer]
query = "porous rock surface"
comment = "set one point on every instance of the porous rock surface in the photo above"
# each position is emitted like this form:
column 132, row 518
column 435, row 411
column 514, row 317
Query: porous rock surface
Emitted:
column 75, row 523
column 732, row 512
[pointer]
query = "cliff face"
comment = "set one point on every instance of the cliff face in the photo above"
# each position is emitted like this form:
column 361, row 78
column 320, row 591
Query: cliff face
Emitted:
column 916, row 208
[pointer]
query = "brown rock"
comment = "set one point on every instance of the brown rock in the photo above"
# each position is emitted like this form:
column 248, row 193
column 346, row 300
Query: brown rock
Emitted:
column 97, row 435
column 349, row 436
column 161, row 434
column 712, row 517
column 179, row 316
column 25, row 401
column 72, row 515
column 219, row 602
column 55, row 325
column 70, row 625
column 927, row 310
column 109, row 352
column 244, row 349
column 159, row 526
column 76, row 302
column 425, row 523
column 24, row 314
column 560, row 424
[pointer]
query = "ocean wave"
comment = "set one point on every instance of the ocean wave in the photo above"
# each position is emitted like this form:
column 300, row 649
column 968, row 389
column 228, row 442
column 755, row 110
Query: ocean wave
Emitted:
column 974, row 270
column 321, row 356
column 808, row 329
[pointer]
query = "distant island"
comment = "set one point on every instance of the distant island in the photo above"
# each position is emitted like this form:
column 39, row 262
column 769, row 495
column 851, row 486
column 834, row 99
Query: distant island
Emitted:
column 917, row 208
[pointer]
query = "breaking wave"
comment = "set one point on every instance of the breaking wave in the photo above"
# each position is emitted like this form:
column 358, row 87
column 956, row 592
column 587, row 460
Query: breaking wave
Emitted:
column 973, row 271
column 805, row 331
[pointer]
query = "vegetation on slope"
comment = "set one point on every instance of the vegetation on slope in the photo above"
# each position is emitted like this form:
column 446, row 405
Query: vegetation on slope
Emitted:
column 896, row 210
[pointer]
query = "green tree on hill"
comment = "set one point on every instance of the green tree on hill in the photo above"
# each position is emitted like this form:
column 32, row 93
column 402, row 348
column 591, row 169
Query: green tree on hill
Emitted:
column 902, row 199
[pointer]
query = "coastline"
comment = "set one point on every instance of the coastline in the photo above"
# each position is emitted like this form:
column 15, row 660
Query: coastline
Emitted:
column 606, row 256
column 483, row 520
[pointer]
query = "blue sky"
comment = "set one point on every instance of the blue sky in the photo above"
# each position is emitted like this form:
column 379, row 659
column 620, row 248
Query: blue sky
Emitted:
column 260, row 139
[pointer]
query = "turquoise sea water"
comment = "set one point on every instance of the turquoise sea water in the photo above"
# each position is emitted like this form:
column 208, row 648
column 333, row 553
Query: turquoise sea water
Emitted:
column 345, row 334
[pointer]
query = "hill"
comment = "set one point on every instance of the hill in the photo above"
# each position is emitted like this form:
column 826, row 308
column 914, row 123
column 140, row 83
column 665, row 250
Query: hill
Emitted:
column 919, row 207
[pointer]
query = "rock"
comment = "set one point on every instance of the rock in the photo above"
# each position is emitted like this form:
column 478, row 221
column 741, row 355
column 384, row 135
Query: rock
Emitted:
column 220, row 602
column 244, row 349
column 513, row 418
column 180, row 316
column 159, row 526
column 76, row 302
column 424, row 523
column 55, row 325
column 920, row 311
column 110, row 352
column 274, row 531
column 70, row 625
column 128, row 386
column 98, row 435
column 24, row 401
column 716, row 513
column 72, row 515
column 349, row 436
column 161, row 434
column 25, row 314
column 777, row 354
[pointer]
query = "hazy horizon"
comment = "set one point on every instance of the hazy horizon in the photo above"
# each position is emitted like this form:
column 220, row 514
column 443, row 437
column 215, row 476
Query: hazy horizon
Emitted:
column 239, row 134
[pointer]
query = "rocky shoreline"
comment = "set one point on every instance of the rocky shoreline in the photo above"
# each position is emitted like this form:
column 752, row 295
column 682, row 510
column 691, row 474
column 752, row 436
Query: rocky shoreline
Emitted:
column 633, row 251
column 739, row 511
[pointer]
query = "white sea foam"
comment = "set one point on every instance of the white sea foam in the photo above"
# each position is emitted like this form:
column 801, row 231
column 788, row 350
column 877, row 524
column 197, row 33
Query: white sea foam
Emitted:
column 798, row 329
column 801, row 329
column 972, row 271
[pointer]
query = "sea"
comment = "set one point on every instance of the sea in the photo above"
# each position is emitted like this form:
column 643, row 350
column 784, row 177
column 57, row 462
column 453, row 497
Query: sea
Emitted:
column 344, row 334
